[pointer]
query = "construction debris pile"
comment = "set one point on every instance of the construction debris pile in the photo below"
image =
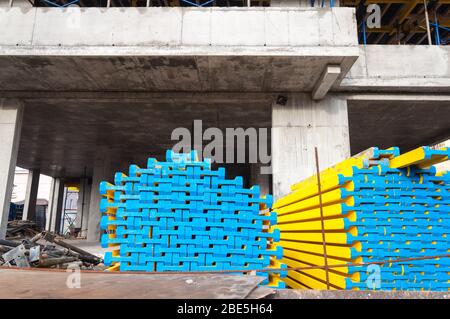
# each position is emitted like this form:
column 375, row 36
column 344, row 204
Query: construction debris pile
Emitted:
column 42, row 250
column 18, row 229
column 376, row 206
column 180, row 215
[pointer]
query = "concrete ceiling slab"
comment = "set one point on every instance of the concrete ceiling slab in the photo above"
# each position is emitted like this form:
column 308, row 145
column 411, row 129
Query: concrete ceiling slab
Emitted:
column 406, row 124
column 61, row 136
column 165, row 73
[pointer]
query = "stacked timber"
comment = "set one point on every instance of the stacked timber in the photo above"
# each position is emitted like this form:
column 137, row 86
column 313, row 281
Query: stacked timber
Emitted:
column 376, row 206
column 180, row 215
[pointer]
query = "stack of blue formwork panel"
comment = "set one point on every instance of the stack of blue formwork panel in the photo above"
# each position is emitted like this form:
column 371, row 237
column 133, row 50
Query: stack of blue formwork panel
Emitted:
column 180, row 215
column 403, row 214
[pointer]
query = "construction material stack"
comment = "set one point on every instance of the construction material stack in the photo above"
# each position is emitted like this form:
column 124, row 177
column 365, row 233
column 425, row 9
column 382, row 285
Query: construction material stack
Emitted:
column 376, row 206
column 180, row 215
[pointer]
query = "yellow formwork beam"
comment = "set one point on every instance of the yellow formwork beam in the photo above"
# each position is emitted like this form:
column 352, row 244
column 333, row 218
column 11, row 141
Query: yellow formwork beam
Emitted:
column 408, row 159
column 329, row 224
column 330, row 211
column 317, row 248
column 418, row 157
column 315, row 225
column 109, row 192
column 336, row 278
column 115, row 267
column 294, row 284
column 332, row 238
column 344, row 168
column 312, row 282
column 274, row 280
column 329, row 198
column 328, row 184
column 317, row 259
column 329, row 179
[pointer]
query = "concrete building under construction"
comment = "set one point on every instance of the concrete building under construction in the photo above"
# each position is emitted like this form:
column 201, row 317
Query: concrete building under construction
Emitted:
column 88, row 87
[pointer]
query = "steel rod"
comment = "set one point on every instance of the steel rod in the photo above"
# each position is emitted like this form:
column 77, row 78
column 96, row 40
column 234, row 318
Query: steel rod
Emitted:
column 319, row 187
column 382, row 262
column 427, row 22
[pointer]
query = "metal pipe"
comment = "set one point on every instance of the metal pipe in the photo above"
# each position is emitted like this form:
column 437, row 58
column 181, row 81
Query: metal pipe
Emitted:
column 364, row 32
column 61, row 225
column 436, row 29
column 319, row 187
column 11, row 2
column 427, row 22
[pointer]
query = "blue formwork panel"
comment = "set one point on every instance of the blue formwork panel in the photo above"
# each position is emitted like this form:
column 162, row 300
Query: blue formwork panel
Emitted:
column 180, row 215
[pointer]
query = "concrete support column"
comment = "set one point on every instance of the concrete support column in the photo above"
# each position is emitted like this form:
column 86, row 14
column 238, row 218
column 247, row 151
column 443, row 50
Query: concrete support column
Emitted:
column 11, row 112
column 83, row 206
column 29, row 208
column 48, row 213
column 262, row 180
column 55, row 205
column 102, row 170
column 297, row 128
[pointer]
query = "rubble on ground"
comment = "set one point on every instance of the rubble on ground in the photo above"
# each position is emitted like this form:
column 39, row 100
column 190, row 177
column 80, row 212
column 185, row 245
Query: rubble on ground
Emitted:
column 25, row 246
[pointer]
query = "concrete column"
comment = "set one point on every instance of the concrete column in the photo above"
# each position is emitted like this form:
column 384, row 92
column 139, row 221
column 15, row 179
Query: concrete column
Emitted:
column 102, row 170
column 297, row 128
column 55, row 205
column 29, row 208
column 83, row 206
column 257, row 178
column 11, row 112
column 48, row 213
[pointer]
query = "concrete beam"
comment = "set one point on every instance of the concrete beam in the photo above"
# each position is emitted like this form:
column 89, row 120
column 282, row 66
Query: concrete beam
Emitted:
column 176, row 26
column 297, row 128
column 210, row 49
column 11, row 112
column 408, row 68
column 329, row 76
column 29, row 208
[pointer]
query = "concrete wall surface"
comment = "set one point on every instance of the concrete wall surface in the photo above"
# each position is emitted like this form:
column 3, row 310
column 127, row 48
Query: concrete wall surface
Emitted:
column 297, row 128
column 156, row 26
column 406, row 68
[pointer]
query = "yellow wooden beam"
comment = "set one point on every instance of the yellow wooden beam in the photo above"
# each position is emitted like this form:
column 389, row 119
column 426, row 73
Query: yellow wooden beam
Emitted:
column 422, row 157
column 332, row 238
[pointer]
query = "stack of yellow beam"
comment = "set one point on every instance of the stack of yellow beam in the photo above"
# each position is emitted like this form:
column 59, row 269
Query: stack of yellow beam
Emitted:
column 377, row 205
